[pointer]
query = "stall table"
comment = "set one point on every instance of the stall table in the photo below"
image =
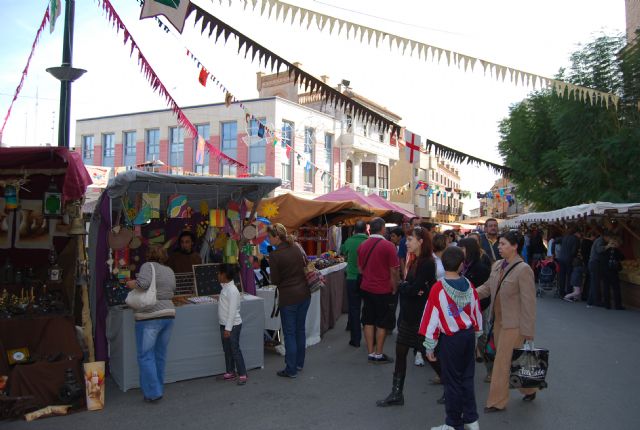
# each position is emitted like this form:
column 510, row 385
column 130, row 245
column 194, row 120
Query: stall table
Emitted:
column 630, row 289
column 332, row 296
column 53, row 347
column 195, row 348
column 272, row 322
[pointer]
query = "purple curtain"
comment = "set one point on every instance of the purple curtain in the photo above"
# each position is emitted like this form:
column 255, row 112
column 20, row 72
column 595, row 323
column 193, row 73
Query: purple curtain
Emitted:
column 102, row 252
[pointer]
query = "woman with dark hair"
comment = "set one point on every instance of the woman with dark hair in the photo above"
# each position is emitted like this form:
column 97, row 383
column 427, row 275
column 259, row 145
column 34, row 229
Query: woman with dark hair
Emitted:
column 439, row 245
column 184, row 257
column 477, row 272
column 512, row 289
column 413, row 298
column 287, row 263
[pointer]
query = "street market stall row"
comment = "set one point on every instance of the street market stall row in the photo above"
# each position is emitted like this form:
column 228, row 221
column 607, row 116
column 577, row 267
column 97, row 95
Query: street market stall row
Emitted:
column 623, row 219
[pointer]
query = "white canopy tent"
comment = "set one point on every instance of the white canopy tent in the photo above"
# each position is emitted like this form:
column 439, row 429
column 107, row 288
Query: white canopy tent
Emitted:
column 573, row 212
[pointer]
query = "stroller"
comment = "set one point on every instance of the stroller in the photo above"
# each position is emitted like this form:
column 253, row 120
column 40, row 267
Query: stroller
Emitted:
column 547, row 276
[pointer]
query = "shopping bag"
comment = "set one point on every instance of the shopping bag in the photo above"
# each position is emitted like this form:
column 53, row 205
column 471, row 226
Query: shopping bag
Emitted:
column 529, row 367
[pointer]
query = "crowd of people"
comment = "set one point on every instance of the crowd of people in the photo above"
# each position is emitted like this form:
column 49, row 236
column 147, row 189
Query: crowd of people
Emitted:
column 455, row 296
column 454, row 300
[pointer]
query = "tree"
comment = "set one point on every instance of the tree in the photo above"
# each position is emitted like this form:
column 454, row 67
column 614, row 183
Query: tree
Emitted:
column 565, row 152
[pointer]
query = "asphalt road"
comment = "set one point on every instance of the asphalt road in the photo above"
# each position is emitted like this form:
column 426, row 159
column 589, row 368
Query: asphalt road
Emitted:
column 593, row 378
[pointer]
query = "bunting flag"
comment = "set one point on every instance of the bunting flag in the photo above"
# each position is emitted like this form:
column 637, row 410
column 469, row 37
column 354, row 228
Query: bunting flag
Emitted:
column 428, row 52
column 212, row 24
column 45, row 18
column 158, row 86
column 202, row 78
column 54, row 12
column 460, row 157
column 174, row 10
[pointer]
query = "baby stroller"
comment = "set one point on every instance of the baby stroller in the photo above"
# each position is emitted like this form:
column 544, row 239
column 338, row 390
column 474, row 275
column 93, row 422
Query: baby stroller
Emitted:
column 547, row 276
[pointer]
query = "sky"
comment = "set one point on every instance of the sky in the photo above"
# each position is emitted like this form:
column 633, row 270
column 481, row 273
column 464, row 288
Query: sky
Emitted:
column 457, row 109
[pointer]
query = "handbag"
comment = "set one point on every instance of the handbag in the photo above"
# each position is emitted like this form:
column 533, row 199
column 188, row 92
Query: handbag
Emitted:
column 490, row 346
column 139, row 299
column 115, row 292
column 315, row 280
column 529, row 367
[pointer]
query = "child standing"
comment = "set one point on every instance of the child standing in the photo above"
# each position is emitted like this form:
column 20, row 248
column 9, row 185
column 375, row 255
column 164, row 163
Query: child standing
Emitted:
column 453, row 317
column 231, row 324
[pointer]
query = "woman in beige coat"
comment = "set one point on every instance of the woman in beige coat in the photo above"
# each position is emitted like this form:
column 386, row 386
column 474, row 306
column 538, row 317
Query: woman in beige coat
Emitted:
column 514, row 311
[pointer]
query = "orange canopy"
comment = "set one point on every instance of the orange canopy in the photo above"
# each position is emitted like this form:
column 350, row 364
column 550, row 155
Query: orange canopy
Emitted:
column 293, row 212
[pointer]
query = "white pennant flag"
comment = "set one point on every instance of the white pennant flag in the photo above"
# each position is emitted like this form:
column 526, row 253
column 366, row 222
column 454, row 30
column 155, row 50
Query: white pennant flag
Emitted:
column 332, row 22
column 174, row 10
column 294, row 11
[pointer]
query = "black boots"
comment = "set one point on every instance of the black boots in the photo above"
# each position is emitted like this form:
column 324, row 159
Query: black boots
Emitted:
column 395, row 398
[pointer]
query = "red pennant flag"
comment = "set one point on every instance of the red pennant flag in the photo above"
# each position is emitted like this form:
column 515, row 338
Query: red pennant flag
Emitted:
column 203, row 77
column 288, row 151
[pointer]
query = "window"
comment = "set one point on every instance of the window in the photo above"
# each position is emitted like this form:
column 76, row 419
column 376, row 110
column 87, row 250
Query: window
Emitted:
column 381, row 137
column 153, row 144
column 383, row 176
column 201, row 166
column 309, row 142
column 365, row 130
column 422, row 201
column 349, row 122
column 328, row 154
column 108, row 149
column 369, row 175
column 87, row 148
column 129, row 143
column 287, row 139
column 349, row 171
column 229, row 147
column 257, row 148
column 176, row 147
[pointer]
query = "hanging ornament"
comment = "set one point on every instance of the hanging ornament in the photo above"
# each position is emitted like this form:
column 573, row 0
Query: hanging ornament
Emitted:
column 269, row 210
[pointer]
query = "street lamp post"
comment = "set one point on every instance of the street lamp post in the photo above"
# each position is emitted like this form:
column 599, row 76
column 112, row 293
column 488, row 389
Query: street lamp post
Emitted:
column 66, row 74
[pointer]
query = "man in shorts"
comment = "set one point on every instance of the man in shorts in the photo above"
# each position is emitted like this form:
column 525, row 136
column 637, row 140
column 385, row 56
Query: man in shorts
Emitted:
column 380, row 267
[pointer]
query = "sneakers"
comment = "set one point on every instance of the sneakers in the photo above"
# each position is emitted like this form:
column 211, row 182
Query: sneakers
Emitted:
column 443, row 427
column 242, row 380
column 229, row 376
column 472, row 426
column 570, row 299
column 419, row 361
column 379, row 359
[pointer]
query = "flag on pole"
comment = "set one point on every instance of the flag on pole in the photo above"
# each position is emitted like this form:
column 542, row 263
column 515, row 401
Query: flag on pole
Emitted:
column 200, row 150
column 412, row 147
column 174, row 10
column 54, row 13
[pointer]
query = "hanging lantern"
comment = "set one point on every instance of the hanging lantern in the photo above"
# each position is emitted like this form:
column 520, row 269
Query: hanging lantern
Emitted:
column 52, row 201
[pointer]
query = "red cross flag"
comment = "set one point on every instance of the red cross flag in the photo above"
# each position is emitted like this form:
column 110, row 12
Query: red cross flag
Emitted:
column 412, row 146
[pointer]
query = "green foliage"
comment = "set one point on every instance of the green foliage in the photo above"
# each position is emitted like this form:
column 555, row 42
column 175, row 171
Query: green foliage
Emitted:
column 566, row 152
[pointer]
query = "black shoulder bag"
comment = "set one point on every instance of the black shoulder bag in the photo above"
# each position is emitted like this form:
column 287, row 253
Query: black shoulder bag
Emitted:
column 490, row 346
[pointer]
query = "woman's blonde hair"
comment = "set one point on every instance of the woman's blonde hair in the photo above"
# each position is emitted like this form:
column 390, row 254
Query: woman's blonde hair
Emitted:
column 280, row 231
column 157, row 253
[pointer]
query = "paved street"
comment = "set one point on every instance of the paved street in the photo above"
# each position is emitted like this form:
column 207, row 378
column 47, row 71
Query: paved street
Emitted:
column 593, row 377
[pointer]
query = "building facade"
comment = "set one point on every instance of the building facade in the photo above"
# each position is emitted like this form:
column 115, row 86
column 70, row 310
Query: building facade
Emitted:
column 500, row 206
column 632, row 13
column 440, row 205
column 342, row 149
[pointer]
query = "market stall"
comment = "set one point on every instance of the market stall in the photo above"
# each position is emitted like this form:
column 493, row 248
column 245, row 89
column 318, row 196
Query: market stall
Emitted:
column 621, row 218
column 141, row 208
column 316, row 225
column 40, row 293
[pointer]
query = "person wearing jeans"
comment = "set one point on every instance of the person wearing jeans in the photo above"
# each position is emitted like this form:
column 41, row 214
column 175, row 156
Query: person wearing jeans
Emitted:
column 350, row 250
column 287, row 264
column 154, row 323
column 233, row 359
column 293, row 319
column 152, row 339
